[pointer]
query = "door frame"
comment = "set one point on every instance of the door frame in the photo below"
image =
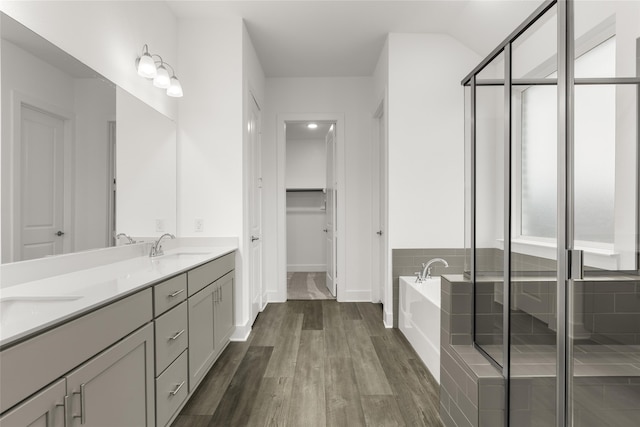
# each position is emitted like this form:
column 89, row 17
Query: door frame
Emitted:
column 281, row 197
column 18, row 100
column 379, row 199
column 253, row 102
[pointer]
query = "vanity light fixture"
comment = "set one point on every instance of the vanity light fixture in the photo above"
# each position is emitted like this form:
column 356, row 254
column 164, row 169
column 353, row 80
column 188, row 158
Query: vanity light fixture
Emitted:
column 312, row 126
column 157, row 70
column 145, row 64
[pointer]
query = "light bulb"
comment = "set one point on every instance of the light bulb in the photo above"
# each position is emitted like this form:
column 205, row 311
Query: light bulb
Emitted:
column 162, row 79
column 146, row 66
column 312, row 126
column 175, row 88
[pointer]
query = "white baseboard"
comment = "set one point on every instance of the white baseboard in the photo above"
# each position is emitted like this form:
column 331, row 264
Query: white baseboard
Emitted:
column 276, row 296
column 387, row 318
column 354, row 296
column 311, row 268
column 241, row 333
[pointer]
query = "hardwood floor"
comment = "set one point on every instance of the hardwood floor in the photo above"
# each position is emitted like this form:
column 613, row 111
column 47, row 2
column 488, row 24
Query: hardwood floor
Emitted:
column 317, row 363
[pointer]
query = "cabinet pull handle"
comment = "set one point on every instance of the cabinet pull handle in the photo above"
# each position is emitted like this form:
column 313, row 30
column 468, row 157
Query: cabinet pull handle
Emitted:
column 176, row 293
column 174, row 392
column 65, row 412
column 82, row 409
column 175, row 337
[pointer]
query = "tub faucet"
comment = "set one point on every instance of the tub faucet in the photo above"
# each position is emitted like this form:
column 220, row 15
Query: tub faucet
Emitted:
column 426, row 268
column 130, row 241
column 156, row 248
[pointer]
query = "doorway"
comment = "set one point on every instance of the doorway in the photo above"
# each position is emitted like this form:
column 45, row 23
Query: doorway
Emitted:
column 310, row 209
column 41, row 175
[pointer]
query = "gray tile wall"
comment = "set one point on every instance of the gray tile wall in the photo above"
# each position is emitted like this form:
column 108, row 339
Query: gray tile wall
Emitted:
column 405, row 262
column 471, row 389
column 611, row 311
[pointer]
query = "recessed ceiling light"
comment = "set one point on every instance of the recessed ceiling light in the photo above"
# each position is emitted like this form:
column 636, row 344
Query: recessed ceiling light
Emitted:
column 312, row 126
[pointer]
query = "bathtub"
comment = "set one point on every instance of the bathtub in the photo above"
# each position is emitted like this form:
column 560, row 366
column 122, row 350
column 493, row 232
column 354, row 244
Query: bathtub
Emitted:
column 419, row 319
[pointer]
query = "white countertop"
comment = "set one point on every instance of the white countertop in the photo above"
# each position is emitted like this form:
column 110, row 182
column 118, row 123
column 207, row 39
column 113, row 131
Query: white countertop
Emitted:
column 29, row 308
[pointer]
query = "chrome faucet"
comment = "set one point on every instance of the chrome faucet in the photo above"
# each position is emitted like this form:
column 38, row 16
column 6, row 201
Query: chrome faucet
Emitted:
column 156, row 248
column 426, row 269
column 130, row 241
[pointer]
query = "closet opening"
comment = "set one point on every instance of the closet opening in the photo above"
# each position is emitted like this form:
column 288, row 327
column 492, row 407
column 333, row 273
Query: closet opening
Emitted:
column 310, row 183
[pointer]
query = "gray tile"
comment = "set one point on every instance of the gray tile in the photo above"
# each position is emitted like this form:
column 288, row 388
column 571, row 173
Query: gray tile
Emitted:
column 493, row 418
column 491, row 397
column 447, row 421
column 468, row 408
column 627, row 303
column 617, row 323
column 459, row 418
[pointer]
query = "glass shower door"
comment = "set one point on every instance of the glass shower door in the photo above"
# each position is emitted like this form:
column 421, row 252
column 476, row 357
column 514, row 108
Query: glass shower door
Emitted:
column 603, row 304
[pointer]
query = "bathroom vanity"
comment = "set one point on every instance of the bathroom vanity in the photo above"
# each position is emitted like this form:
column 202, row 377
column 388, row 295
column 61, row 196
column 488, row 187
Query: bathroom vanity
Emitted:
column 122, row 344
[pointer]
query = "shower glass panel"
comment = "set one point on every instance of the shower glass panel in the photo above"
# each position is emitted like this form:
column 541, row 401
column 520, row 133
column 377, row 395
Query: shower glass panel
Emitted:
column 534, row 193
column 489, row 220
column 604, row 327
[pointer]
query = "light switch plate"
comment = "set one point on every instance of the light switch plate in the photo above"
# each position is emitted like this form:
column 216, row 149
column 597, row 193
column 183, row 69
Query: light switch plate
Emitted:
column 198, row 225
column 159, row 225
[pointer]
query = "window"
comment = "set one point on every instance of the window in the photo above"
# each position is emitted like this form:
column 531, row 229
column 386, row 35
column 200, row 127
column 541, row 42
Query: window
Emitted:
column 594, row 163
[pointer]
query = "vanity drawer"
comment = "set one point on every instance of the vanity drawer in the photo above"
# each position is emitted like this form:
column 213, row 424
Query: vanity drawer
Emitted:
column 171, row 336
column 206, row 274
column 169, row 294
column 171, row 389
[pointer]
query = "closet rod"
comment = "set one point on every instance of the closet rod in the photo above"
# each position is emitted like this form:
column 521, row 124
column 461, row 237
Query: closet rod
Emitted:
column 305, row 190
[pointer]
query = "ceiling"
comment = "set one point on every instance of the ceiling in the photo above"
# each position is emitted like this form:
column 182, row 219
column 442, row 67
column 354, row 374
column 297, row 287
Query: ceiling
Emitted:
column 326, row 38
column 300, row 131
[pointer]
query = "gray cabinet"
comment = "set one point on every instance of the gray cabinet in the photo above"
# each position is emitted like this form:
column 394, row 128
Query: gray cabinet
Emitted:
column 211, row 315
column 44, row 409
column 201, row 341
column 223, row 323
column 115, row 388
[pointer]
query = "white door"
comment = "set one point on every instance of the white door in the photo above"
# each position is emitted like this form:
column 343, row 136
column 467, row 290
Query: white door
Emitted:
column 380, row 207
column 255, row 209
column 40, row 223
column 331, row 226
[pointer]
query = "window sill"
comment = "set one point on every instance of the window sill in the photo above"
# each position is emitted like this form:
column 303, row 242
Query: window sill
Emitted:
column 601, row 258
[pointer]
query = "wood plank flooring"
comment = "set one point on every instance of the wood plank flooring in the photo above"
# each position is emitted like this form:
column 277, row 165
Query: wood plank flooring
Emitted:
column 317, row 363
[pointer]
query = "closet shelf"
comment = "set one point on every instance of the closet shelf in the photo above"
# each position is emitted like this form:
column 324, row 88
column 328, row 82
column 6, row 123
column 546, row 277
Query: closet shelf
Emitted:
column 304, row 190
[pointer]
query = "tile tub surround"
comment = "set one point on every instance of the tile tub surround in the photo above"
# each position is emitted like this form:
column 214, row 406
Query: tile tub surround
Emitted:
column 606, row 379
column 471, row 389
column 78, row 292
column 405, row 262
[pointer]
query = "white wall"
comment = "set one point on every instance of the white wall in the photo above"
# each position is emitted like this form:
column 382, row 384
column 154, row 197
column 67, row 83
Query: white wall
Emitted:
column 306, row 241
column 352, row 97
column 212, row 138
column 426, row 131
column 107, row 36
column 95, row 103
column 306, row 163
column 146, row 173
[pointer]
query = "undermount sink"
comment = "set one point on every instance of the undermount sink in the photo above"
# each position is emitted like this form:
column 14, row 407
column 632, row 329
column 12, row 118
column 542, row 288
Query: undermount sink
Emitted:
column 20, row 306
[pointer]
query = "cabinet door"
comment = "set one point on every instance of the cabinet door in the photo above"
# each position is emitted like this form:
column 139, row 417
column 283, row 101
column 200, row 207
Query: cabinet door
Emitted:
column 45, row 409
column 116, row 388
column 201, row 342
column 224, row 321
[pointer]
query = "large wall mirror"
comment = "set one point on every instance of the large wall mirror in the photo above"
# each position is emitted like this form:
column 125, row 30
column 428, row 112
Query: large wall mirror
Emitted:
column 81, row 159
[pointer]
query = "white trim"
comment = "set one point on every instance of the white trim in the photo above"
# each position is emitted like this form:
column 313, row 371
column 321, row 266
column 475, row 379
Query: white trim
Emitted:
column 281, row 209
column 241, row 333
column 355, row 296
column 18, row 99
column 593, row 257
column 387, row 318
